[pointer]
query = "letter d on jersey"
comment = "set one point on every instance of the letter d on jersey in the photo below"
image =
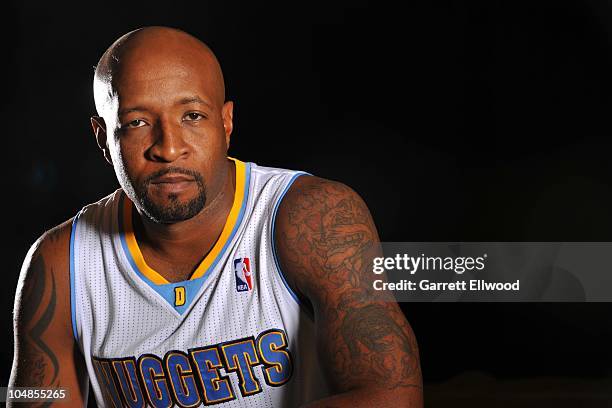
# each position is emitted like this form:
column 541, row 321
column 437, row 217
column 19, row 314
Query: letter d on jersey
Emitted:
column 179, row 296
column 244, row 274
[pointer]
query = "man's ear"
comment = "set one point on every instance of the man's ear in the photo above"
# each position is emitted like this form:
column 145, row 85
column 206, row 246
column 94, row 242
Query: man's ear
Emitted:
column 227, row 113
column 99, row 129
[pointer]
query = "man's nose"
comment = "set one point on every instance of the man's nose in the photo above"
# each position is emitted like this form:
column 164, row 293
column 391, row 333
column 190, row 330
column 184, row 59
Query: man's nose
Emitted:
column 169, row 144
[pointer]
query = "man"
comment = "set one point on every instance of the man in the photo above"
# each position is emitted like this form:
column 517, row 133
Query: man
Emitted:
column 205, row 280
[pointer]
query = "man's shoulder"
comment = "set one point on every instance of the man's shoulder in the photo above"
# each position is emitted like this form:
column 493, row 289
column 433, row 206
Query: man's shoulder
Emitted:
column 105, row 201
column 54, row 244
column 316, row 195
column 272, row 172
column 324, row 218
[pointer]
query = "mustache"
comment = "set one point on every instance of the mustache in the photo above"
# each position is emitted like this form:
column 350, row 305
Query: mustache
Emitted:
column 176, row 170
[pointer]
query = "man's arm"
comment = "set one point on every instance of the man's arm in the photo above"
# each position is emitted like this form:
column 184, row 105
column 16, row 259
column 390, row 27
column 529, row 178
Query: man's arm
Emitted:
column 45, row 350
column 326, row 241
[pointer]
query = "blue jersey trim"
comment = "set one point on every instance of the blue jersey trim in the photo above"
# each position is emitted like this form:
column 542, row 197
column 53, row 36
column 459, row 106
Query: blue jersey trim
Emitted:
column 275, row 256
column 72, row 277
column 192, row 286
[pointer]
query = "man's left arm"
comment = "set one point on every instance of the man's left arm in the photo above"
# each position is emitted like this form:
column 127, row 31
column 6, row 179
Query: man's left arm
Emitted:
column 326, row 241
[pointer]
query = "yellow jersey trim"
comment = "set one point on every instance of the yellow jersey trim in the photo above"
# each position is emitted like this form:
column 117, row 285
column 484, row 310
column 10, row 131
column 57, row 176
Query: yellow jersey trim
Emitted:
column 226, row 233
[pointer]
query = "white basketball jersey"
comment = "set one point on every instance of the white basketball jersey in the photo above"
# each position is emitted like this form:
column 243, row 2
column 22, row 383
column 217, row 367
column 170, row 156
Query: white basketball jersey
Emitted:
column 234, row 334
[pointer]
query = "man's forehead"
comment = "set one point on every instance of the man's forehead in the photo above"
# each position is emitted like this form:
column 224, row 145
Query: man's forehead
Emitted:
column 147, row 65
column 162, row 72
column 162, row 92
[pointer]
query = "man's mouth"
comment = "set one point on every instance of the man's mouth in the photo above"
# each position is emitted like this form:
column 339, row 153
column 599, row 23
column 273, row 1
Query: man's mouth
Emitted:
column 172, row 178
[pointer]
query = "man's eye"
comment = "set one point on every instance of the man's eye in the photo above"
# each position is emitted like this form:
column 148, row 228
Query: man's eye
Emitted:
column 136, row 123
column 194, row 116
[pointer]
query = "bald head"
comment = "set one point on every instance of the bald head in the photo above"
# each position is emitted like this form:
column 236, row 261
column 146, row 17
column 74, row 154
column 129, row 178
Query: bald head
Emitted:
column 161, row 103
column 156, row 52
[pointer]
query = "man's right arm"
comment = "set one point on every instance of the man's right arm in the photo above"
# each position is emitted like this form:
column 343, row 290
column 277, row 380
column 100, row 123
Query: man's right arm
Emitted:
column 46, row 355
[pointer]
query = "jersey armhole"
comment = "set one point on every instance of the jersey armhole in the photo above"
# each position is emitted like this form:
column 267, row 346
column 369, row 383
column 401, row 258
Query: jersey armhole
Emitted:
column 303, row 303
column 73, row 314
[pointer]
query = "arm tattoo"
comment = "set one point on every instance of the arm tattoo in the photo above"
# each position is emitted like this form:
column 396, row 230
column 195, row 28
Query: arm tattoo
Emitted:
column 377, row 343
column 37, row 354
column 329, row 236
column 327, row 241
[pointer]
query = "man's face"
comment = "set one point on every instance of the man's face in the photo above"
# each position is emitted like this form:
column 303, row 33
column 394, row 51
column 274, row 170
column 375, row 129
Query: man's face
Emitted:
column 168, row 134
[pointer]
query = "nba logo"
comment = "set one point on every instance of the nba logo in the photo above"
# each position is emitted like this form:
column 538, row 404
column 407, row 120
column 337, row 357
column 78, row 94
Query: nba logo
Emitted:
column 244, row 276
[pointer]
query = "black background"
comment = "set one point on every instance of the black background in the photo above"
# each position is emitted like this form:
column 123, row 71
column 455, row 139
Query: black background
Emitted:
column 466, row 121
